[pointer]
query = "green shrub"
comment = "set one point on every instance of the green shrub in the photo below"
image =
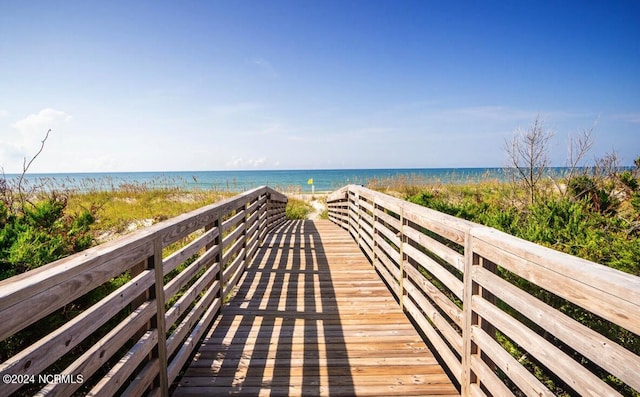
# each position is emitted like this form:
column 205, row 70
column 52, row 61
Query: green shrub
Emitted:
column 627, row 178
column 554, row 222
column 596, row 192
column 297, row 209
column 574, row 224
column 583, row 223
column 40, row 233
column 324, row 214
column 581, row 186
column 635, row 201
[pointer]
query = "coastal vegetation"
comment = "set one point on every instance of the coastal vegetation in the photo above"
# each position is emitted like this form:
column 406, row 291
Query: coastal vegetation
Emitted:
column 39, row 226
column 35, row 226
column 46, row 226
column 133, row 206
column 591, row 212
column 297, row 209
column 597, row 219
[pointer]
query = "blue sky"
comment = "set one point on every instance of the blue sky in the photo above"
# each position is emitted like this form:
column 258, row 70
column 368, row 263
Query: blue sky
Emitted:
column 213, row 85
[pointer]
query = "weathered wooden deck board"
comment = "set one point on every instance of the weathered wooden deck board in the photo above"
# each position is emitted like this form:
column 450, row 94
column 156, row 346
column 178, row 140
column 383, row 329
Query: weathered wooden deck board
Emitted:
column 311, row 317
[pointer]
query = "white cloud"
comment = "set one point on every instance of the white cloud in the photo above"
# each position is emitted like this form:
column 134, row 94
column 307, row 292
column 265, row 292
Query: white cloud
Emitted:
column 236, row 162
column 11, row 156
column 257, row 162
column 28, row 135
column 42, row 121
column 239, row 162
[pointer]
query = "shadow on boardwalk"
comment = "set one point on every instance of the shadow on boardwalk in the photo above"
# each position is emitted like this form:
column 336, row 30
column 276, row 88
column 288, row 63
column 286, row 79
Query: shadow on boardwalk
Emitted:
column 312, row 317
column 281, row 329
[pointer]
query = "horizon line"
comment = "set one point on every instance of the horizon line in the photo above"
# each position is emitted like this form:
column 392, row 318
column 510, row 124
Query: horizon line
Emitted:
column 287, row 170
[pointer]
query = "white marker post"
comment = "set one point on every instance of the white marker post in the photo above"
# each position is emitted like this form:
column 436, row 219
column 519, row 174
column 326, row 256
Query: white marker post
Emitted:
column 310, row 182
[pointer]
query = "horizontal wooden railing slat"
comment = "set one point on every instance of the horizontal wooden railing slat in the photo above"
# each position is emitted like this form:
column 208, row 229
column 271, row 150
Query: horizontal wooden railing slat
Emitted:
column 441, row 301
column 190, row 295
column 577, row 377
column 197, row 331
column 178, row 257
column 601, row 298
column 155, row 319
column 445, row 277
column 449, row 357
column 30, row 308
column 42, row 354
column 182, row 279
column 143, row 379
column 131, row 248
column 449, row 255
column 98, row 354
column 115, row 379
column 528, row 383
column 455, row 279
column 607, row 354
column 440, row 321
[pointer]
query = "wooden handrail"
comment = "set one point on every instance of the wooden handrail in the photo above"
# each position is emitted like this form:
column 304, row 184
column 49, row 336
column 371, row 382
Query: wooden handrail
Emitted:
column 154, row 320
column 469, row 288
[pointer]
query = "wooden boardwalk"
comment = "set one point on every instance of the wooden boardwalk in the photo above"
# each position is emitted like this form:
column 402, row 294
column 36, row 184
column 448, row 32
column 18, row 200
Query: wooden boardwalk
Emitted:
column 312, row 317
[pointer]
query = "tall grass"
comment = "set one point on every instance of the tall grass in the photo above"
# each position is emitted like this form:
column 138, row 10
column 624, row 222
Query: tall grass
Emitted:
column 297, row 209
column 119, row 210
column 411, row 184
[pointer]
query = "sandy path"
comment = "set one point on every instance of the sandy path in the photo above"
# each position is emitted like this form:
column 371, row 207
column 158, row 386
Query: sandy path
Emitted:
column 315, row 201
column 318, row 208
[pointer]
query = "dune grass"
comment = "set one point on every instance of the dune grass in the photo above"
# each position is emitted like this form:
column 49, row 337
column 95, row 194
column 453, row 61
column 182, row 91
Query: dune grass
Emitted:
column 297, row 209
column 126, row 209
column 568, row 219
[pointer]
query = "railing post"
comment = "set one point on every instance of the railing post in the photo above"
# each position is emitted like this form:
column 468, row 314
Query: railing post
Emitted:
column 402, row 258
column 358, row 218
column 220, row 256
column 158, row 321
column 268, row 209
column 262, row 210
column 161, row 349
column 374, row 249
column 245, row 246
column 270, row 215
column 212, row 244
column 469, row 319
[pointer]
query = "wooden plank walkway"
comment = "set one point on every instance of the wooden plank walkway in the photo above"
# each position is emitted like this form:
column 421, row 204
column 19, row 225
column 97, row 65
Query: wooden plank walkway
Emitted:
column 312, row 317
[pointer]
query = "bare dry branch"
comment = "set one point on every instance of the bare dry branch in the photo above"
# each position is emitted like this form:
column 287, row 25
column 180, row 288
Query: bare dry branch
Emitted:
column 22, row 195
column 607, row 166
column 528, row 155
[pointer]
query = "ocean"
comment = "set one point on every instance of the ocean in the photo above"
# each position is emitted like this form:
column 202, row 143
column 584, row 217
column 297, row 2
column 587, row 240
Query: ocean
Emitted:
column 237, row 181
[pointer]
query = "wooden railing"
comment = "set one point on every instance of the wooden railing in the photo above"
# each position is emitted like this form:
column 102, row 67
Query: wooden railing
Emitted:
column 174, row 277
column 475, row 292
